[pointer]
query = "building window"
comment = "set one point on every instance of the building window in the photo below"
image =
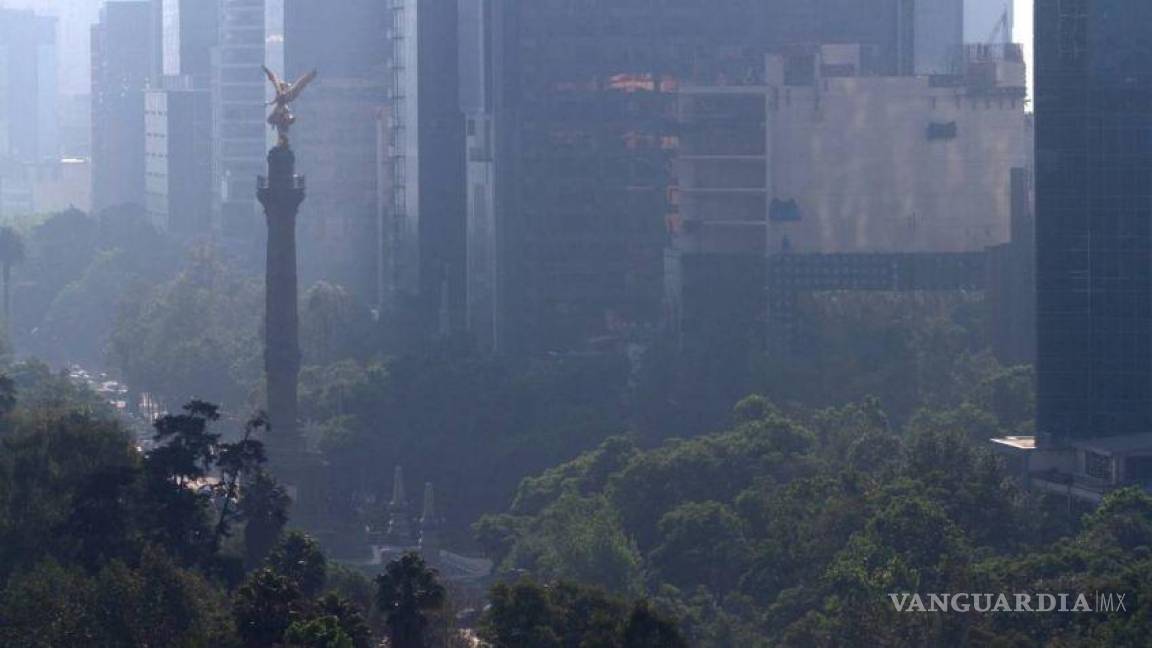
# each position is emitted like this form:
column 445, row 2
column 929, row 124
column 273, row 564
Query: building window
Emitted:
column 1097, row 465
column 942, row 131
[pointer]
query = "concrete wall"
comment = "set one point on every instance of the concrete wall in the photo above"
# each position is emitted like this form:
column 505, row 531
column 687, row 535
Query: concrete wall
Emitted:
column 856, row 156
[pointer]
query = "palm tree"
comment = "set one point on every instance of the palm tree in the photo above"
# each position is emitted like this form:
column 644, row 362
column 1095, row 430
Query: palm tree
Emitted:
column 404, row 592
column 11, row 253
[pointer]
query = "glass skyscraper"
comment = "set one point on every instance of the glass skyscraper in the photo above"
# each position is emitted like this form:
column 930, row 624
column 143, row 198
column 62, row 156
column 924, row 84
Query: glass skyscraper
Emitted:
column 1094, row 218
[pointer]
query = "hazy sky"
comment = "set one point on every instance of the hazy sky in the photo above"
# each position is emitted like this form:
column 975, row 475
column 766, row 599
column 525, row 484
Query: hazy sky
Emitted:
column 76, row 16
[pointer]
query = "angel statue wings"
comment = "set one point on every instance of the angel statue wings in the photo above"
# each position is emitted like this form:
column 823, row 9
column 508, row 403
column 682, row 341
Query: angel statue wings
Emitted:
column 282, row 118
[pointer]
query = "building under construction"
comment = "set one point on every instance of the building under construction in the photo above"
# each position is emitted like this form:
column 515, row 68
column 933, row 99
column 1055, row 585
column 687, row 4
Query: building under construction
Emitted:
column 818, row 176
column 572, row 132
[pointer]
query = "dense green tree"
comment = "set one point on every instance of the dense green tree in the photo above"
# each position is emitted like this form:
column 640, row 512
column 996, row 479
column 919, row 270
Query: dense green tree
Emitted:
column 80, row 271
column 46, row 393
column 193, row 337
column 1123, row 521
column 791, row 527
column 349, row 617
column 406, row 593
column 702, row 543
column 298, row 558
column 155, row 603
column 47, row 605
column 520, row 616
column 528, row 615
column 45, row 458
column 648, row 629
column 81, row 317
column 319, row 632
column 266, row 605
column 474, row 425
column 334, row 326
column 12, row 253
column 264, row 508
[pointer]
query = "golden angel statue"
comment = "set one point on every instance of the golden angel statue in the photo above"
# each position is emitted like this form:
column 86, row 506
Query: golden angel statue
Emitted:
column 282, row 118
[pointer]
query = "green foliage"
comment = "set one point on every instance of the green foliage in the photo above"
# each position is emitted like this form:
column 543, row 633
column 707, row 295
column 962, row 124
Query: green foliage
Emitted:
column 789, row 528
column 334, row 326
column 80, row 320
column 299, row 559
column 196, row 336
column 475, row 426
column 701, row 543
column 910, row 349
column 155, row 603
column 527, row 615
column 44, row 393
column 79, row 270
column 321, row 632
column 12, row 253
column 407, row 592
column 583, row 538
column 280, row 604
column 349, row 618
column 54, row 469
column 266, row 606
column 264, row 508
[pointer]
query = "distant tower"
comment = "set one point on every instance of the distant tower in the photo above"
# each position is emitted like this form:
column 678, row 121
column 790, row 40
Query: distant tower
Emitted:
column 429, row 528
column 399, row 524
column 281, row 193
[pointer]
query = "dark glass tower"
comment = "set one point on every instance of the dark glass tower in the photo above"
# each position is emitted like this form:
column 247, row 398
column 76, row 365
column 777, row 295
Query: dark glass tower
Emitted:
column 1094, row 218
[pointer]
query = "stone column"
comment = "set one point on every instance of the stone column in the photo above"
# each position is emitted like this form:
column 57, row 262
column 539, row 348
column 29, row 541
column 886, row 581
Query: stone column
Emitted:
column 281, row 193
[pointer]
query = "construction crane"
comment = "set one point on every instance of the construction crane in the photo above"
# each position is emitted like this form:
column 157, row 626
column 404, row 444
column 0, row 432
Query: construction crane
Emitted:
column 1002, row 32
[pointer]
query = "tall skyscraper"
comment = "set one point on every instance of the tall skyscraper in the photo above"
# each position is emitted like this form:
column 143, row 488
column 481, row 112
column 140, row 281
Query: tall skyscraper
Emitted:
column 571, row 133
column 178, row 164
column 344, row 40
column 121, row 66
column 178, row 117
column 188, row 30
column 338, row 223
column 425, row 221
column 28, row 101
column 1093, row 218
column 239, row 133
column 347, row 43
